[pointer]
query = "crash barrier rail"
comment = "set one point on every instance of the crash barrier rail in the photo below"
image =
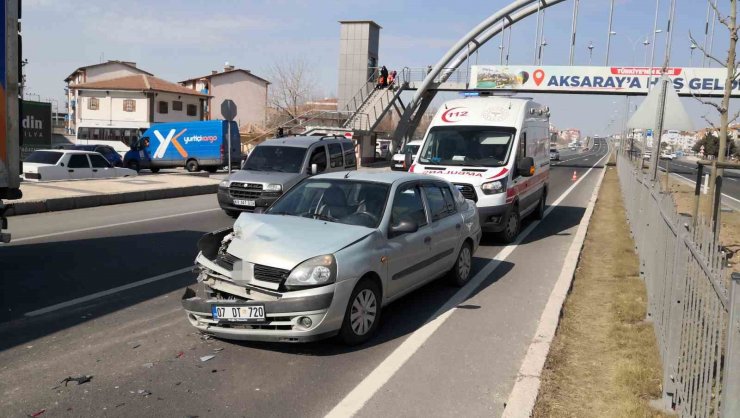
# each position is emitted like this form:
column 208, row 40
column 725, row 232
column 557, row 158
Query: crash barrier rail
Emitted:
column 693, row 303
column 452, row 75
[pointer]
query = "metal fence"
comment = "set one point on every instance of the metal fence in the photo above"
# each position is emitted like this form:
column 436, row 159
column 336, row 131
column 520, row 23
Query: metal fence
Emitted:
column 691, row 299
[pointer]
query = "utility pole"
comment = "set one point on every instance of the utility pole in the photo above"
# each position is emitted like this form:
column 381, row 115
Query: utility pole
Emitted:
column 609, row 33
column 573, row 31
column 655, row 33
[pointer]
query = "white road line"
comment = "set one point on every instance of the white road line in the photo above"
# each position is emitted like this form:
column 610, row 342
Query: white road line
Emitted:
column 692, row 182
column 108, row 292
column 93, row 228
column 366, row 389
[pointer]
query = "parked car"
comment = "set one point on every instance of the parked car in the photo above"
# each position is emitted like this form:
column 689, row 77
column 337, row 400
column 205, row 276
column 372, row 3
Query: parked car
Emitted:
column 554, row 154
column 70, row 165
column 193, row 145
column 329, row 255
column 646, row 155
column 276, row 165
column 113, row 157
column 383, row 149
column 667, row 156
column 399, row 158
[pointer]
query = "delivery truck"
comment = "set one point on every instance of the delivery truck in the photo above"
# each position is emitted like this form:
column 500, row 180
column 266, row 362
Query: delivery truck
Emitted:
column 10, row 134
column 202, row 145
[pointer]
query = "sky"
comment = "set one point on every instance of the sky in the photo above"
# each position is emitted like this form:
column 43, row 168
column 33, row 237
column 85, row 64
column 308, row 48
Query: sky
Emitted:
column 178, row 40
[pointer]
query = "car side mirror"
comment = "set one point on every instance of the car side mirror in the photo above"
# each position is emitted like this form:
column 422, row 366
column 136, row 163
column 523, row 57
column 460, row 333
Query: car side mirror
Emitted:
column 408, row 159
column 314, row 169
column 405, row 226
column 525, row 167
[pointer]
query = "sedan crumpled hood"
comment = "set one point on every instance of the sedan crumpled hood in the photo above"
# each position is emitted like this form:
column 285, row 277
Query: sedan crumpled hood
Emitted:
column 286, row 241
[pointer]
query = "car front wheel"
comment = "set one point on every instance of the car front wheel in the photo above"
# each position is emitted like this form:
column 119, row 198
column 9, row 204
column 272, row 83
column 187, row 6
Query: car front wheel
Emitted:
column 362, row 317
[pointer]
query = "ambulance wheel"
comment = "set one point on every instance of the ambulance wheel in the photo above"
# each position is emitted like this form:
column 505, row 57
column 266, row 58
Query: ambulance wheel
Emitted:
column 539, row 213
column 133, row 165
column 155, row 170
column 512, row 223
column 192, row 166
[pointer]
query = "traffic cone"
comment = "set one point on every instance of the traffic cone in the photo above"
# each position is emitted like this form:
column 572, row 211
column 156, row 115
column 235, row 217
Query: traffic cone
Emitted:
column 574, row 176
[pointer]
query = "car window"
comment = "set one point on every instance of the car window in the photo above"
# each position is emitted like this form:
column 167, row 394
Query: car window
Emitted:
column 349, row 154
column 449, row 199
column 408, row 205
column 44, row 157
column 98, row 161
column 438, row 206
column 78, row 161
column 335, row 155
column 318, row 157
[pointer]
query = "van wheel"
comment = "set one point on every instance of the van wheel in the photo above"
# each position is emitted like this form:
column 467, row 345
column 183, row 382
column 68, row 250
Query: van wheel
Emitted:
column 511, row 226
column 211, row 169
column 155, row 169
column 460, row 273
column 133, row 165
column 362, row 317
column 233, row 213
column 539, row 213
column 192, row 166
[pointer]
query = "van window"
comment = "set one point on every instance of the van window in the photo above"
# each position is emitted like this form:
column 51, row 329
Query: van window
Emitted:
column 335, row 155
column 483, row 146
column 318, row 157
column 350, row 160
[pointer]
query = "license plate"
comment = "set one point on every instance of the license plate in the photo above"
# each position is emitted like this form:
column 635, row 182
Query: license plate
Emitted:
column 244, row 202
column 239, row 313
column 399, row 165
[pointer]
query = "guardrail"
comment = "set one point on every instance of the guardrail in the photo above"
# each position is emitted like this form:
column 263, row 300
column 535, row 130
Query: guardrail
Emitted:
column 693, row 302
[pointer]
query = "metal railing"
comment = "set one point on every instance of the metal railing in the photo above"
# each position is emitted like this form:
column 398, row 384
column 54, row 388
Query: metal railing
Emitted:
column 690, row 298
column 453, row 75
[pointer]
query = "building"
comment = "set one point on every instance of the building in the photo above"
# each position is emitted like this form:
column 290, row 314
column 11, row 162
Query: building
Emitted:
column 92, row 73
column 118, row 108
column 248, row 91
column 358, row 57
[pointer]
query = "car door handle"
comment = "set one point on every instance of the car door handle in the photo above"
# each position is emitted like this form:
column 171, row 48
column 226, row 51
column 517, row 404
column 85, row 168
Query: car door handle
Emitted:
column 71, row 171
column 95, row 170
column 427, row 240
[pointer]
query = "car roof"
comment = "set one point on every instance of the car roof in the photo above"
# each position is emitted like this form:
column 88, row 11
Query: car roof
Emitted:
column 301, row 141
column 387, row 177
column 69, row 151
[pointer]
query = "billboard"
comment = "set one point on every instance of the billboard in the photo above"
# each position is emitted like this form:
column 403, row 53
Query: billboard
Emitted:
column 701, row 82
column 35, row 127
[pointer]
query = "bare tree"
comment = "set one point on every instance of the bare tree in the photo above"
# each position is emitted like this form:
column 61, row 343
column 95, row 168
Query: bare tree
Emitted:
column 723, row 108
column 293, row 85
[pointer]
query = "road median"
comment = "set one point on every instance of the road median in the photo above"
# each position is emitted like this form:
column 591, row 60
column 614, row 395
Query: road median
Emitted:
column 66, row 195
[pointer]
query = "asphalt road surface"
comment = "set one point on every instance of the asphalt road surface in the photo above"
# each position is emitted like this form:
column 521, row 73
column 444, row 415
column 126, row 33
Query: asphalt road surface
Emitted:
column 97, row 292
column 688, row 170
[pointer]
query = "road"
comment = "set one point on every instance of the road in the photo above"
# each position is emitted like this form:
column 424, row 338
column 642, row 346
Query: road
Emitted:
column 687, row 170
column 67, row 311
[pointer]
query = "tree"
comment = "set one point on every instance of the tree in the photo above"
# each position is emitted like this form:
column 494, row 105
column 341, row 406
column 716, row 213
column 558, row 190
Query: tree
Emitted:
column 730, row 22
column 293, row 84
column 710, row 142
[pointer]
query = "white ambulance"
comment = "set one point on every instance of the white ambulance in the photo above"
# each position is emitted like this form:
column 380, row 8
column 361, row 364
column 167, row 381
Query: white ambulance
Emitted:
column 495, row 150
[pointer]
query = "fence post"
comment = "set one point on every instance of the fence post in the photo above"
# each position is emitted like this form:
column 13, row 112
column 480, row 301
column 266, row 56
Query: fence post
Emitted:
column 697, row 192
column 731, row 385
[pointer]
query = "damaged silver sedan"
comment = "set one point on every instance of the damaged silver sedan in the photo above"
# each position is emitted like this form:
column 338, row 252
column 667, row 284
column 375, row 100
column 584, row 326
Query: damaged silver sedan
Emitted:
column 329, row 255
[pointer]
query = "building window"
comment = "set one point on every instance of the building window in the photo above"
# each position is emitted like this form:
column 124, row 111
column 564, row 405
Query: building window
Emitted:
column 177, row 105
column 129, row 105
column 192, row 110
column 93, row 103
column 163, row 106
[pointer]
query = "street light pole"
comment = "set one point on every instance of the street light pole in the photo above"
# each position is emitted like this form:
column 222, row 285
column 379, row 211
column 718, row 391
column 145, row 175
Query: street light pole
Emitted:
column 590, row 51
column 609, row 33
column 693, row 46
column 655, row 33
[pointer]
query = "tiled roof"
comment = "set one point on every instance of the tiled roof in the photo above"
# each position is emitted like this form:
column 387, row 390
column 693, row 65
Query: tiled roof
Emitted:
column 139, row 82
column 69, row 77
column 227, row 72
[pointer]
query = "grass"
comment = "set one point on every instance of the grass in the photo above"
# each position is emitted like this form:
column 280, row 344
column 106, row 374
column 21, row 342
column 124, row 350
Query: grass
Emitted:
column 604, row 359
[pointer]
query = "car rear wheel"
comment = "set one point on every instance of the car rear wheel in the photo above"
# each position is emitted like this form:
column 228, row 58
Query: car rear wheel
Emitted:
column 155, row 169
column 363, row 314
column 460, row 273
column 511, row 226
column 192, row 166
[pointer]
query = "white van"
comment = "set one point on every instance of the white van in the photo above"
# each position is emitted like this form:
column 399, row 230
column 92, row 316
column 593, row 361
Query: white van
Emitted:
column 495, row 150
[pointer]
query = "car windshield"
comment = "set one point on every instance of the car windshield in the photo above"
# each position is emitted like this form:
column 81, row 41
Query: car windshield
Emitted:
column 410, row 149
column 485, row 146
column 337, row 200
column 44, row 157
column 275, row 158
column 553, row 150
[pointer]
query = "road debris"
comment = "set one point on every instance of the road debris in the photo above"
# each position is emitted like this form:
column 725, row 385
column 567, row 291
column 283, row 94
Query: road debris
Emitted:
column 208, row 357
column 79, row 379
column 180, row 354
column 144, row 392
column 148, row 365
column 120, row 404
column 214, row 371
column 37, row 413
column 134, row 346
column 217, row 349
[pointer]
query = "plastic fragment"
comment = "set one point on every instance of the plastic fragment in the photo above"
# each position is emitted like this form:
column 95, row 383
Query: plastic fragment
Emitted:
column 206, row 358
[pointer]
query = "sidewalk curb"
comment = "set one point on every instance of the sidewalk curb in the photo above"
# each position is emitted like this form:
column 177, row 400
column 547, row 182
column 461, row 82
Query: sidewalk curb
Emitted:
column 523, row 395
column 79, row 202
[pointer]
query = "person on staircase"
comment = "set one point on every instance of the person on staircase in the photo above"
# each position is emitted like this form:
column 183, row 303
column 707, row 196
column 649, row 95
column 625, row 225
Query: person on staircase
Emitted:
column 391, row 79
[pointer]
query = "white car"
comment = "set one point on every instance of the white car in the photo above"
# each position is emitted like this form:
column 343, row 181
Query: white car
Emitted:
column 70, row 165
column 400, row 157
column 667, row 156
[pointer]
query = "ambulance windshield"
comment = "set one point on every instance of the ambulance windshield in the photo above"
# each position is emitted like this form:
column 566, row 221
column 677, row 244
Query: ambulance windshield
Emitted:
column 475, row 146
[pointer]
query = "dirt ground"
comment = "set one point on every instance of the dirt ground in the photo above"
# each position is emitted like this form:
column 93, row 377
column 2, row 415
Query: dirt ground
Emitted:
column 604, row 360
